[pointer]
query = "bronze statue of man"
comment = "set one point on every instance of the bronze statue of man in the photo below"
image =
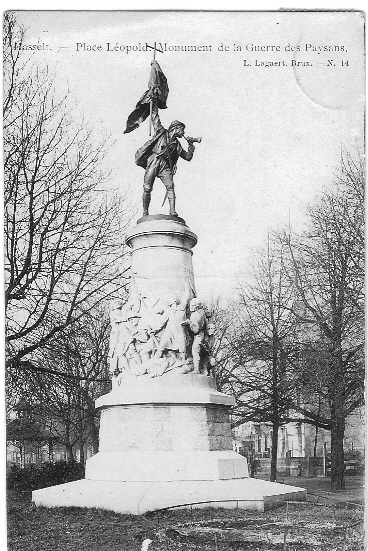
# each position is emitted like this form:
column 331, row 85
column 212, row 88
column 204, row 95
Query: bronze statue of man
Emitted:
column 159, row 156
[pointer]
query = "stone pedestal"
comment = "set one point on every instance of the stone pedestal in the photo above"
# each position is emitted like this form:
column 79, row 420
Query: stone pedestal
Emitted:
column 161, row 259
column 174, row 427
column 165, row 436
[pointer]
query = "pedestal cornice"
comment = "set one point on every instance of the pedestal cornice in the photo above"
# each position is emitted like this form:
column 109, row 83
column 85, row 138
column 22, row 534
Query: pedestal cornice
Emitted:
column 166, row 232
column 169, row 389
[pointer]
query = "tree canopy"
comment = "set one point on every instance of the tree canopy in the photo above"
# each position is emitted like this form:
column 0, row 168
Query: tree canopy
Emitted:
column 64, row 247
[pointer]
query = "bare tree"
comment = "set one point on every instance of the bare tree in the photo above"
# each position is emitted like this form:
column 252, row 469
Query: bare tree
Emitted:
column 325, row 267
column 265, row 347
column 74, row 374
column 63, row 237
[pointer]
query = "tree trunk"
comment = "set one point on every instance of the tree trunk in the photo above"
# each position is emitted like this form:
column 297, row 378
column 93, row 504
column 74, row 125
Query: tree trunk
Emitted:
column 69, row 452
column 275, row 404
column 337, row 454
column 22, row 454
column 94, row 437
column 275, row 439
column 337, row 394
column 315, row 442
column 81, row 454
column 50, row 449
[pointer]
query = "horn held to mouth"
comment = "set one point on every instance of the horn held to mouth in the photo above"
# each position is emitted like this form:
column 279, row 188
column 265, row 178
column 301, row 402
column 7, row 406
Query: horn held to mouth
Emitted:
column 198, row 140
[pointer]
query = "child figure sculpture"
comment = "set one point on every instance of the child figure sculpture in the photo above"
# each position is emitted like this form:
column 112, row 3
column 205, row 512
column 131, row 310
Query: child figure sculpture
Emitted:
column 197, row 324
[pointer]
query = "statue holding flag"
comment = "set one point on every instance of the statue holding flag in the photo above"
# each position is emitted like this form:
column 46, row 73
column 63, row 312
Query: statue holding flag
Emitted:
column 160, row 154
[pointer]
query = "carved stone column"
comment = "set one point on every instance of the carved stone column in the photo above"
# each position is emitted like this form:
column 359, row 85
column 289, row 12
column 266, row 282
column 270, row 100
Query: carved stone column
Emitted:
column 173, row 425
column 161, row 258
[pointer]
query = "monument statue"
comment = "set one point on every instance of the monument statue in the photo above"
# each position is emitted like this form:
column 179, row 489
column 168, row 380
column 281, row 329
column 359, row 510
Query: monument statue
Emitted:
column 197, row 324
column 155, row 337
column 159, row 155
column 208, row 361
column 165, row 435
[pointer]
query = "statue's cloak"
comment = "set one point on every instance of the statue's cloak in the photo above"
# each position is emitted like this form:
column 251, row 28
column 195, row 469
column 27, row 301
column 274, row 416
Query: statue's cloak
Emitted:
column 144, row 152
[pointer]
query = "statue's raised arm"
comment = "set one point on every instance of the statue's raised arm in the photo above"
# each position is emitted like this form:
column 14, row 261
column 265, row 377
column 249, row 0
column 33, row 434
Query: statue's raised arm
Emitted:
column 155, row 117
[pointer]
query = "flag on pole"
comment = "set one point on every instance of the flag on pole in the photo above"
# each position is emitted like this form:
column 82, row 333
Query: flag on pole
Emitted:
column 158, row 85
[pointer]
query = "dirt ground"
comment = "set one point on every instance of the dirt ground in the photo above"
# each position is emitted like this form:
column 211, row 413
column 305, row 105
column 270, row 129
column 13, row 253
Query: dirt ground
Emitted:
column 322, row 523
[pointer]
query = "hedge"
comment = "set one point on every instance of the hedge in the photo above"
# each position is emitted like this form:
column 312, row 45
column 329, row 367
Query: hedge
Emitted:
column 34, row 477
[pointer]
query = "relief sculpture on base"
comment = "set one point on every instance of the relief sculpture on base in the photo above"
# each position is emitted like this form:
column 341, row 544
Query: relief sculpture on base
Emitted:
column 174, row 334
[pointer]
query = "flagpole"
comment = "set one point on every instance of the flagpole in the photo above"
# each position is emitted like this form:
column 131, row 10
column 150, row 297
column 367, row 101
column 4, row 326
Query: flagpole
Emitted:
column 151, row 102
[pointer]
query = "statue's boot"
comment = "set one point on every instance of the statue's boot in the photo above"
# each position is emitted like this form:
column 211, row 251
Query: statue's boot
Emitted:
column 171, row 198
column 146, row 199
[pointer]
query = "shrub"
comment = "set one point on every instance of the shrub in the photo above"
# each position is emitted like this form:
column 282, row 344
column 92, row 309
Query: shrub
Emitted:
column 34, row 477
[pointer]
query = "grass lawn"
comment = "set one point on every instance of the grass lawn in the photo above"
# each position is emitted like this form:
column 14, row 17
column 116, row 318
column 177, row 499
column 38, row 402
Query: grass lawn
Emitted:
column 295, row 527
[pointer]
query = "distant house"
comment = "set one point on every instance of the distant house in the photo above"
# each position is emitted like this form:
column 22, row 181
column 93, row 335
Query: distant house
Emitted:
column 257, row 437
column 29, row 440
column 298, row 443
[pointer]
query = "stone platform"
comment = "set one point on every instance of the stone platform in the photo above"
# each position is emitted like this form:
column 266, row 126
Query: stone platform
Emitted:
column 138, row 498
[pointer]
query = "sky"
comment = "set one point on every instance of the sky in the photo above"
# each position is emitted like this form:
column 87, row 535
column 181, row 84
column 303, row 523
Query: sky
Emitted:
column 271, row 134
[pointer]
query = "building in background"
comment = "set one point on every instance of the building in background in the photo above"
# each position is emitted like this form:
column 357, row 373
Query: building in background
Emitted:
column 30, row 441
column 303, row 450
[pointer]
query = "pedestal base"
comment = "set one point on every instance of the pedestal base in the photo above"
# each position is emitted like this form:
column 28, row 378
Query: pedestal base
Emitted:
column 166, row 466
column 166, row 443
column 141, row 497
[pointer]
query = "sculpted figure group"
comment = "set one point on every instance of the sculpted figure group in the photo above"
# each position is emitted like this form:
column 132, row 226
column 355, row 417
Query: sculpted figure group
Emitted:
column 161, row 338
